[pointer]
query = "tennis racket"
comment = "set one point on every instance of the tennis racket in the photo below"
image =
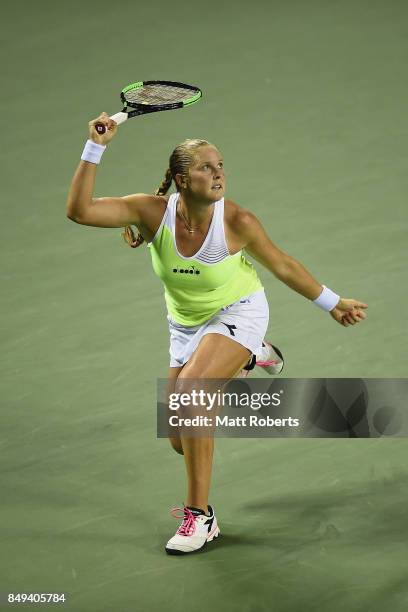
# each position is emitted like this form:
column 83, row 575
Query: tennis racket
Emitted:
column 152, row 97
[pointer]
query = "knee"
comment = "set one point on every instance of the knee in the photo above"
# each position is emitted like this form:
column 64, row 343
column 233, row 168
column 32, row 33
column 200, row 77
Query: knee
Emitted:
column 190, row 371
column 188, row 380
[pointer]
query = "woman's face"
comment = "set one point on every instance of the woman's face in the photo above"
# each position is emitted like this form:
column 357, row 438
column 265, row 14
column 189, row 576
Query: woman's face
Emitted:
column 206, row 178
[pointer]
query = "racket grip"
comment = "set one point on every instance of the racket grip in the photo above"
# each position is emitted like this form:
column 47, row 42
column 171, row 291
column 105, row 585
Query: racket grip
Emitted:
column 118, row 119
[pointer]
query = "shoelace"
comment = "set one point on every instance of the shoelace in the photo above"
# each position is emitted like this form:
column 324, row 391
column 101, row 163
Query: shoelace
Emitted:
column 187, row 527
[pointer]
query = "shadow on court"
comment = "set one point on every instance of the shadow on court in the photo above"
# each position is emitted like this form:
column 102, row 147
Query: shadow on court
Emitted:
column 369, row 514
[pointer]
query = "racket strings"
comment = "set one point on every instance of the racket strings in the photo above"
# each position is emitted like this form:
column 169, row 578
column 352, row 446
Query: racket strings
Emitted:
column 158, row 94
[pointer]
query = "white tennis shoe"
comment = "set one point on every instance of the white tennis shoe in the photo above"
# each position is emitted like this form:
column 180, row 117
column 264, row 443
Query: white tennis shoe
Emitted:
column 194, row 532
column 269, row 358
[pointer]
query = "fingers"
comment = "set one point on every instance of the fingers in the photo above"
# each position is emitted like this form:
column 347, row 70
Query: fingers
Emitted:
column 359, row 304
column 104, row 119
column 350, row 312
column 353, row 317
column 110, row 129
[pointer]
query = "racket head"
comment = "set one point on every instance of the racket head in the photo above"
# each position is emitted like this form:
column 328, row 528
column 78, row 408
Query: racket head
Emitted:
column 153, row 96
column 159, row 95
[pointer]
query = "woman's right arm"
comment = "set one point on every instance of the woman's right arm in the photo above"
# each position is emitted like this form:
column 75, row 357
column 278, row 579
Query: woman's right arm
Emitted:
column 83, row 208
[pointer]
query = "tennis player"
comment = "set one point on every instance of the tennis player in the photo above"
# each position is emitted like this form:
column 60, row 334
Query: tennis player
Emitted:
column 217, row 310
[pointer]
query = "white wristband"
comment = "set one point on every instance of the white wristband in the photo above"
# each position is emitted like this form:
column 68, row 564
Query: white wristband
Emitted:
column 327, row 300
column 92, row 152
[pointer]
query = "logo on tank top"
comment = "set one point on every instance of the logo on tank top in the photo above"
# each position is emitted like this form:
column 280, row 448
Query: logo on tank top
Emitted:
column 190, row 270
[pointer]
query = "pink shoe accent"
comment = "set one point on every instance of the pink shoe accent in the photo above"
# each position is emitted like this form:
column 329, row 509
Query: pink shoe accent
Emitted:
column 187, row 527
column 267, row 363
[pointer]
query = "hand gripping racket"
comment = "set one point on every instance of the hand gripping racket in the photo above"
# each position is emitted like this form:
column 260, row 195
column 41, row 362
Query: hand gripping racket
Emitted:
column 151, row 97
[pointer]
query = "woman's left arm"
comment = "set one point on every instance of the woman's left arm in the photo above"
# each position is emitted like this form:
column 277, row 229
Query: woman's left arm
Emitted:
column 291, row 272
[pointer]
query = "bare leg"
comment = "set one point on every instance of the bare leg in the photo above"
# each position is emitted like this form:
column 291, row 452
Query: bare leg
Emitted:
column 172, row 378
column 215, row 357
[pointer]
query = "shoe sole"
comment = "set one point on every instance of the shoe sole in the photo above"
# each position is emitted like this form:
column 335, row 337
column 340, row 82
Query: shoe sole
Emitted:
column 176, row 551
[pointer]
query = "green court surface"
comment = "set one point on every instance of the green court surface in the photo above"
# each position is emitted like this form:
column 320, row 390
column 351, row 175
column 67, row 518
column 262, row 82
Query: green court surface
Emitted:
column 307, row 102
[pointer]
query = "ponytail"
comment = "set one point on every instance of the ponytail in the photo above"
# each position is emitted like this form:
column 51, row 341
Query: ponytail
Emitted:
column 165, row 184
column 128, row 235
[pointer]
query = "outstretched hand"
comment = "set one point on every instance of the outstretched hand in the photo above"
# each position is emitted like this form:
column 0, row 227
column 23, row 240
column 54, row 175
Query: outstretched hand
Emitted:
column 349, row 312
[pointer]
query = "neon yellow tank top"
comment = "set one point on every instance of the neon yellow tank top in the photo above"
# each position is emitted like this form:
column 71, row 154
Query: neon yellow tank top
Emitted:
column 195, row 288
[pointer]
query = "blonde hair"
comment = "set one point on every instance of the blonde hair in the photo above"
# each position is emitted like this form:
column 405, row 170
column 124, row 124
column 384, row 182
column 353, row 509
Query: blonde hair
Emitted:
column 180, row 161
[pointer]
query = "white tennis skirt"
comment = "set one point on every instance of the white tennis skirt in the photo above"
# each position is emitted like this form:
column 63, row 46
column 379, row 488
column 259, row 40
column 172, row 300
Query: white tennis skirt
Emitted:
column 244, row 321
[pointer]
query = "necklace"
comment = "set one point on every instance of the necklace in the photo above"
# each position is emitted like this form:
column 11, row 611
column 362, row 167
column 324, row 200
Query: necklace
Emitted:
column 189, row 228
